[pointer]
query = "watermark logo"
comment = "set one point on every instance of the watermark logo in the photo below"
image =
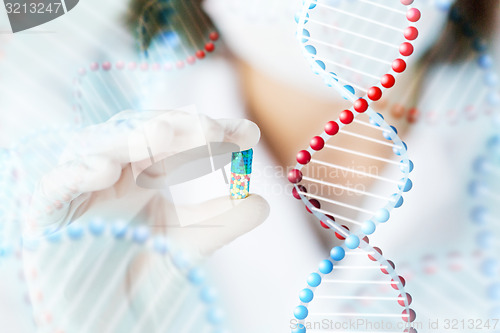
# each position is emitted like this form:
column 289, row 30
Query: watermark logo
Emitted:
column 26, row 14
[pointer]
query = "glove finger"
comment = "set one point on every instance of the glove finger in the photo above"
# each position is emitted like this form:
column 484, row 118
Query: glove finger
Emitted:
column 56, row 191
column 211, row 234
column 157, row 134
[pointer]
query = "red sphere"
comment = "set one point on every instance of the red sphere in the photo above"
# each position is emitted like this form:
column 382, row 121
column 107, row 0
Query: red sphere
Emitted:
column 397, row 285
column 200, row 54
column 346, row 117
column 180, row 64
column 339, row 236
column 214, row 35
column 315, row 203
column 374, row 93
column 317, row 143
column 406, row 49
column 209, row 47
column 296, row 193
column 409, row 317
column 324, row 225
column 413, row 15
column 399, row 65
column 331, row 128
column 411, row 33
column 384, row 270
column 366, row 240
column 401, row 301
column 191, row 60
column 388, row 81
column 295, row 176
column 413, row 115
column 303, row 157
column 361, row 105
column 372, row 258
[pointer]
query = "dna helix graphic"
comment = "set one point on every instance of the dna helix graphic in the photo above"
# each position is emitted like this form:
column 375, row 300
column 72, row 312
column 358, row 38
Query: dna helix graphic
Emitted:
column 483, row 190
column 76, row 274
column 361, row 58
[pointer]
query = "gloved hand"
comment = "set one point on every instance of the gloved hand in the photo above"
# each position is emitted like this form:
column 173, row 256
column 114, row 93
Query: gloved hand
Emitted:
column 105, row 284
column 97, row 177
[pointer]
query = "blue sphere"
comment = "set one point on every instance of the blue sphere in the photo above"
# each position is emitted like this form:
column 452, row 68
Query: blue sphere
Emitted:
column 297, row 17
column 480, row 165
column 406, row 167
column 140, row 235
column 306, row 295
column 96, row 227
column 321, row 64
column 494, row 143
column 398, row 199
column 196, row 276
column 301, row 312
column 477, row 188
column 352, row 242
column 119, row 230
column 180, row 260
column 490, row 267
column 491, row 79
column 337, row 253
column 405, row 186
column 6, row 251
column 75, row 231
column 388, row 134
column 368, row 227
column 53, row 235
column 160, row 245
column 382, row 215
column 314, row 280
column 170, row 38
column 350, row 89
column 479, row 215
column 485, row 61
column 311, row 49
column 208, row 295
column 399, row 150
column 325, row 266
column 300, row 328
column 215, row 316
column 494, row 292
column 312, row 5
column 306, row 34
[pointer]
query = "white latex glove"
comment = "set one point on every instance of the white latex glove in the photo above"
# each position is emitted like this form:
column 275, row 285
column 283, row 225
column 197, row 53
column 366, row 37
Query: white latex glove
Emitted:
column 96, row 177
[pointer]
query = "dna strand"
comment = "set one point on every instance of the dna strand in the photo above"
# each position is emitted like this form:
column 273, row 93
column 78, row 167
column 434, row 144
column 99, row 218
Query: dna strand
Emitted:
column 379, row 294
column 23, row 165
column 456, row 102
column 367, row 126
column 110, row 277
column 175, row 33
column 360, row 61
column 484, row 192
column 450, row 289
column 102, row 89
